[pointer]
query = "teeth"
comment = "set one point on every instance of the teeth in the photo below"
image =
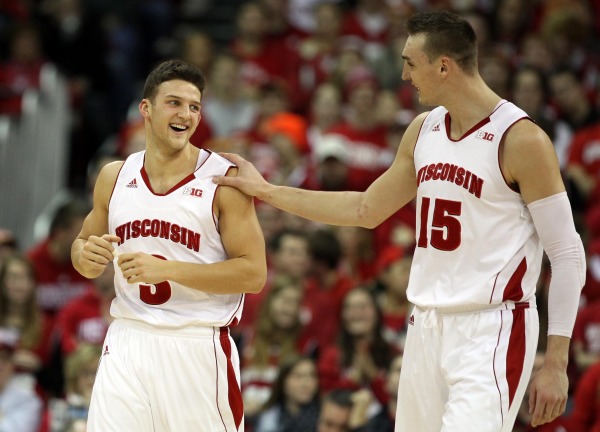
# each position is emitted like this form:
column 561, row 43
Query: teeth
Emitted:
column 178, row 126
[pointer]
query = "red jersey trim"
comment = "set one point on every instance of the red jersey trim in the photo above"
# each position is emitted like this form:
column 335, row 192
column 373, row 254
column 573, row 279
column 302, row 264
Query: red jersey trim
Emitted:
column 447, row 121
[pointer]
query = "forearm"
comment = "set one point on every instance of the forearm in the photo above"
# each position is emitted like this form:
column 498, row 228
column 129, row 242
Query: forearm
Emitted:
column 557, row 352
column 333, row 208
column 232, row 276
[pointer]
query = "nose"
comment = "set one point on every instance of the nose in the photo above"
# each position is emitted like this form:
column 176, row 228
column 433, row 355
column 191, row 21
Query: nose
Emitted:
column 184, row 112
column 405, row 74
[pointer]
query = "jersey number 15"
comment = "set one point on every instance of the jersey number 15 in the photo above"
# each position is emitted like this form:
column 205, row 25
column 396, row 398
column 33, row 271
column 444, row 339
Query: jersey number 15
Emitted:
column 445, row 226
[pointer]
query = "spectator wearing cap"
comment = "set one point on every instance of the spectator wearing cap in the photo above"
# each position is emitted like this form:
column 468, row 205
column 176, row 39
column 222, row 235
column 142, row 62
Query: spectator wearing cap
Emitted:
column 330, row 171
column 364, row 138
column 393, row 270
column 20, row 407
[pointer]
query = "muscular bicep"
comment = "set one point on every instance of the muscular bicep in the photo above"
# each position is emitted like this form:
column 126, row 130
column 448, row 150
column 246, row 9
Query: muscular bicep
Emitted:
column 96, row 222
column 238, row 224
column 529, row 161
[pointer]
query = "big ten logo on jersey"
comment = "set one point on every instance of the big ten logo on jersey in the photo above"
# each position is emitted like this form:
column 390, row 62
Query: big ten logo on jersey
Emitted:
column 192, row 192
column 485, row 135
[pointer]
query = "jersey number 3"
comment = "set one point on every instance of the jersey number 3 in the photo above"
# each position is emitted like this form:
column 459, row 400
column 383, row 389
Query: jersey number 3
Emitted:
column 445, row 227
column 157, row 296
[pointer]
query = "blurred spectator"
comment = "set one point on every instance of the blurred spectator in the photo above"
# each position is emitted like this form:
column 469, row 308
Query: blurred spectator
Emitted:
column 301, row 13
column 529, row 91
column 495, row 69
column 325, row 290
column 365, row 138
column 586, row 336
column 274, row 339
column 80, row 373
column 535, row 53
column 358, row 254
column 285, row 132
column 583, row 166
column 198, row 50
column 21, row 71
column 224, row 106
column 8, row 244
column 361, row 357
column 294, row 402
column 569, row 95
column 318, row 52
column 263, row 59
column 331, row 171
column 58, row 281
column 336, row 408
column 368, row 21
column 85, row 318
column 585, row 415
column 21, row 408
column 20, row 312
column 382, row 421
column 325, row 111
column 510, row 22
column 393, row 271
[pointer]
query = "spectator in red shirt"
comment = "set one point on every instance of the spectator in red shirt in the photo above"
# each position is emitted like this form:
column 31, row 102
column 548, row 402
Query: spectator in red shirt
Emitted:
column 58, row 281
column 586, row 336
column 20, row 312
column 85, row 319
column 361, row 357
column 325, row 290
column 585, row 416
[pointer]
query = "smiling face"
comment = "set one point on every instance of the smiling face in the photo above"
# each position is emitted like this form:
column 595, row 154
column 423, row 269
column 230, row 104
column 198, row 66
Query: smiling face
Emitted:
column 172, row 115
column 419, row 70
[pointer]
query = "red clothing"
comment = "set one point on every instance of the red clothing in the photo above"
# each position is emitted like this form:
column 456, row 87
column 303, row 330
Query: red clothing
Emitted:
column 43, row 347
column 585, row 150
column 332, row 375
column 321, row 312
column 81, row 320
column 585, row 416
column 57, row 282
column 368, row 153
column 587, row 328
column 15, row 78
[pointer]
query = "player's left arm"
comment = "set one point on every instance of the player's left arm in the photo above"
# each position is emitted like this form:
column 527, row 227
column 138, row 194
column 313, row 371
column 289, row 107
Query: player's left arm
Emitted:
column 245, row 271
column 530, row 162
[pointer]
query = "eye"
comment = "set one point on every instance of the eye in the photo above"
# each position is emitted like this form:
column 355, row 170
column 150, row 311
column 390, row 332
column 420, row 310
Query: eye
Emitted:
column 173, row 102
column 195, row 108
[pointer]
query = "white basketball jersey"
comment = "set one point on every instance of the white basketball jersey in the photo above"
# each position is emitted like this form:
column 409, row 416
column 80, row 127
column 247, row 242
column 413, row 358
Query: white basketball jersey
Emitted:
column 476, row 242
column 178, row 225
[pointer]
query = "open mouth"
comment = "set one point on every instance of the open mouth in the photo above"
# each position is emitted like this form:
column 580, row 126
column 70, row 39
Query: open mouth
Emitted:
column 178, row 127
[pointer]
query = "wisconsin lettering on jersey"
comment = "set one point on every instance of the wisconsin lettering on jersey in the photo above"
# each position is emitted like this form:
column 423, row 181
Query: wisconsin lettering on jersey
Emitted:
column 160, row 229
column 451, row 173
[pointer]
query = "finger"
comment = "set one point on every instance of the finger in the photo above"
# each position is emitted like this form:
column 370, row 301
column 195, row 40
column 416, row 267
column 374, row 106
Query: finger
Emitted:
column 224, row 180
column 532, row 396
column 111, row 238
column 538, row 412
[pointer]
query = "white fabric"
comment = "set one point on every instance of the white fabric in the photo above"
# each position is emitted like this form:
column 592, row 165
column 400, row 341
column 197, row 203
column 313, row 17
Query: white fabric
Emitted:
column 460, row 371
column 553, row 219
column 178, row 225
column 476, row 242
column 166, row 380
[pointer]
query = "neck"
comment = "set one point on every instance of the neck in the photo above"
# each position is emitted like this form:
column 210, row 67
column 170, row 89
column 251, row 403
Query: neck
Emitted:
column 292, row 407
column 470, row 105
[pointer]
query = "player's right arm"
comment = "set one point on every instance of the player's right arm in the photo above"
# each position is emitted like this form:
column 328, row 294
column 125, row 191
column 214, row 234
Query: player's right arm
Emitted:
column 92, row 250
column 391, row 191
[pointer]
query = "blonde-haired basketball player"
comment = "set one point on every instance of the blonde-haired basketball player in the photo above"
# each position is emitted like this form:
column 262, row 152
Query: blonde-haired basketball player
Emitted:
column 490, row 198
column 186, row 252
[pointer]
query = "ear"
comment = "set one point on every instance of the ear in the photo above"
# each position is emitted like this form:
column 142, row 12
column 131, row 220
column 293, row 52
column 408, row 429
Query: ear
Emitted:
column 444, row 65
column 144, row 108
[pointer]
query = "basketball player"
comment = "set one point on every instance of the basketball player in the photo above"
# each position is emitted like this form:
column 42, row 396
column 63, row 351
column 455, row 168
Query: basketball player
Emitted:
column 489, row 199
column 187, row 251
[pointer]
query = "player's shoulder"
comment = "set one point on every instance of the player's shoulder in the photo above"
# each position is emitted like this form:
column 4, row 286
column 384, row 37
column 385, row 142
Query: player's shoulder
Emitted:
column 222, row 163
column 110, row 171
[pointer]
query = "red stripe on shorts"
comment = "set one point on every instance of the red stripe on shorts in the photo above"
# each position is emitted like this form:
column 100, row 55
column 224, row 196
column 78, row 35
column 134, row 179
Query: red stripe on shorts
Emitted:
column 515, row 356
column 234, row 394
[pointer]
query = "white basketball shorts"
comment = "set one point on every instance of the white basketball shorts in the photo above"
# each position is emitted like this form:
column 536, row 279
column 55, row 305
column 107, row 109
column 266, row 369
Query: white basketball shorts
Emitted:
column 466, row 372
column 166, row 380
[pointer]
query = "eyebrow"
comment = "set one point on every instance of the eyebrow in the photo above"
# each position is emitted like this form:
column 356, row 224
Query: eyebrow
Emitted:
column 407, row 58
column 172, row 96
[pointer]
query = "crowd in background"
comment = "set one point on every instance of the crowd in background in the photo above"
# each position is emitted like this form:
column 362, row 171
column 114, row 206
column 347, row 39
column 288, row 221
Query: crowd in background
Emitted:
column 311, row 92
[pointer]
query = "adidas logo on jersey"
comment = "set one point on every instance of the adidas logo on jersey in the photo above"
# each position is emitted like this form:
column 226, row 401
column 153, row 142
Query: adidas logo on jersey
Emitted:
column 436, row 128
column 132, row 184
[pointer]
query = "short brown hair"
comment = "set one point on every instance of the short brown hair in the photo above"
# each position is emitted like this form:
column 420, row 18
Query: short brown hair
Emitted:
column 446, row 34
column 172, row 70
